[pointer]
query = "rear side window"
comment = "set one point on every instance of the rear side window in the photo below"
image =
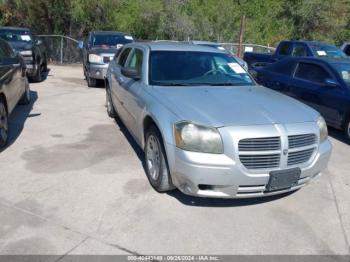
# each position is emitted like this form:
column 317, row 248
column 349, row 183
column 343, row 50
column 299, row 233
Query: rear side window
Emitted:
column 135, row 61
column 284, row 49
column 123, row 57
column 299, row 50
column 312, row 72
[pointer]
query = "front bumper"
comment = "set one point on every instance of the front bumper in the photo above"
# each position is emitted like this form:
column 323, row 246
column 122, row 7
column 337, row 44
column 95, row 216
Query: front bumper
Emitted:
column 97, row 71
column 224, row 176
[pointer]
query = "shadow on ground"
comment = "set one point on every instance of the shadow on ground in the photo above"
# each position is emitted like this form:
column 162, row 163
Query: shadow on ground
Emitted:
column 337, row 134
column 198, row 201
column 18, row 118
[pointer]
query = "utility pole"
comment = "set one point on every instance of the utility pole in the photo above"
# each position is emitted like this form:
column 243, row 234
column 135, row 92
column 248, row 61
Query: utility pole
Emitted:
column 241, row 35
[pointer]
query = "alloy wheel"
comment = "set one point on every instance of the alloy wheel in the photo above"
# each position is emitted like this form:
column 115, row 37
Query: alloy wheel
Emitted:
column 153, row 157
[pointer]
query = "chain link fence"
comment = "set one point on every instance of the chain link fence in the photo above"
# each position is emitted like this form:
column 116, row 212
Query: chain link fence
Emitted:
column 62, row 49
column 233, row 48
column 65, row 50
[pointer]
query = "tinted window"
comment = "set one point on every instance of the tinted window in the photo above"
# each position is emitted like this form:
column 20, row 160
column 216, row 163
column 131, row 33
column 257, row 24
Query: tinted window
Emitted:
column 312, row 72
column 135, row 61
column 110, row 40
column 123, row 56
column 284, row 49
column 299, row 50
column 285, row 67
column 196, row 68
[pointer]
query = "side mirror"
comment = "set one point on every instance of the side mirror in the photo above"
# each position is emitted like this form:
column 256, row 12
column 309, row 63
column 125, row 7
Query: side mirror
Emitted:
column 131, row 73
column 331, row 83
column 81, row 44
column 38, row 42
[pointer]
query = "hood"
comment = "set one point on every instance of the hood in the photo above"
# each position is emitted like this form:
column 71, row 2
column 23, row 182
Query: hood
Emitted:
column 103, row 50
column 19, row 46
column 239, row 105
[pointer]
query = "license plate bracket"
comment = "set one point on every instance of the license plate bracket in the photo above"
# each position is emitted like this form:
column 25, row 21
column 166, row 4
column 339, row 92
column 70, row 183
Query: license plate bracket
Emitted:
column 283, row 179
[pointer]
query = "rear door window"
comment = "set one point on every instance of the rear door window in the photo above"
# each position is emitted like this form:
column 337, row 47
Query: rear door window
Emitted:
column 135, row 61
column 299, row 50
column 284, row 48
column 312, row 72
column 123, row 57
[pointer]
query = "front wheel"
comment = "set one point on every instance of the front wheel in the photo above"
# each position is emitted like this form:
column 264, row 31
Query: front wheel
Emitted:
column 156, row 163
column 38, row 76
column 109, row 104
column 3, row 124
column 92, row 82
column 25, row 100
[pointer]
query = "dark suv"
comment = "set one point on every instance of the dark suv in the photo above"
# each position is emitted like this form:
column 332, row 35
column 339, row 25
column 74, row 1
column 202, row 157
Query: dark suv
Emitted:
column 24, row 42
column 100, row 48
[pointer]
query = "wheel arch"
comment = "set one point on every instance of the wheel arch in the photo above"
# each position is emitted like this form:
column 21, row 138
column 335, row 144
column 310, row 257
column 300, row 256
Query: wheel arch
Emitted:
column 3, row 98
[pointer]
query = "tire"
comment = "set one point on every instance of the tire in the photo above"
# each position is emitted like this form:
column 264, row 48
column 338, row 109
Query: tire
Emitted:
column 92, row 82
column 109, row 104
column 25, row 100
column 156, row 164
column 347, row 130
column 3, row 125
column 38, row 76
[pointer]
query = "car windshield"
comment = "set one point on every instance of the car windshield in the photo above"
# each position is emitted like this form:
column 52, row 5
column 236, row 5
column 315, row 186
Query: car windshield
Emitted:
column 185, row 68
column 327, row 51
column 111, row 40
column 344, row 71
column 15, row 35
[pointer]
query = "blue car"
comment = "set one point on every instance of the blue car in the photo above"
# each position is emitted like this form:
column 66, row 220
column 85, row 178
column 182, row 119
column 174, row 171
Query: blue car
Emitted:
column 323, row 84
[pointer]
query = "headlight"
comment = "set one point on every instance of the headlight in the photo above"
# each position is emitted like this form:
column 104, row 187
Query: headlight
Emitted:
column 198, row 138
column 95, row 59
column 26, row 52
column 323, row 128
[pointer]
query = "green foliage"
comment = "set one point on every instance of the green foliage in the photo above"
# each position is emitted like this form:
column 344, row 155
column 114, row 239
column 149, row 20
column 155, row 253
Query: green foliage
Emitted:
column 267, row 22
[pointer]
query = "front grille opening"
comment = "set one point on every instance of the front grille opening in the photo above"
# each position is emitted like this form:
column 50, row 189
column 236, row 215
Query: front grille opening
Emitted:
column 260, row 144
column 296, row 141
column 205, row 187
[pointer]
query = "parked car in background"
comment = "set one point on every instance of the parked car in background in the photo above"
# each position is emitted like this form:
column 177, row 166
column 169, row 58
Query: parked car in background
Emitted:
column 295, row 49
column 99, row 50
column 14, row 86
column 220, row 47
column 207, row 128
column 23, row 41
column 324, row 84
column 346, row 48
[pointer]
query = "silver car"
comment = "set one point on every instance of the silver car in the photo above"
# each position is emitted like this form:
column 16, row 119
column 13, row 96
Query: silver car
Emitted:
column 207, row 128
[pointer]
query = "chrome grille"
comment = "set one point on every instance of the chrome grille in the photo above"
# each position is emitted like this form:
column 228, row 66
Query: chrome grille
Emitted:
column 300, row 157
column 260, row 144
column 266, row 152
column 260, row 161
column 301, row 140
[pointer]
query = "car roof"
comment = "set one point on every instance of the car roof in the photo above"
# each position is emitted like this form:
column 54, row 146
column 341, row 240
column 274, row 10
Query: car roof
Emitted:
column 176, row 46
column 14, row 28
column 108, row 33
column 196, row 42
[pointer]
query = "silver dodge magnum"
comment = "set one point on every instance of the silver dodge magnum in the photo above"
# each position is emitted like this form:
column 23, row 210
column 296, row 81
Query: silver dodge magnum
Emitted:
column 207, row 128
